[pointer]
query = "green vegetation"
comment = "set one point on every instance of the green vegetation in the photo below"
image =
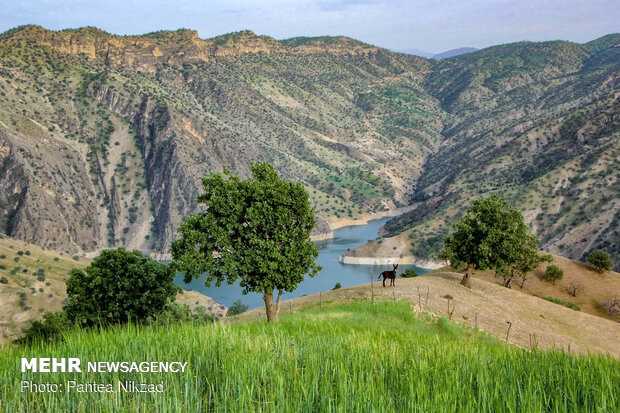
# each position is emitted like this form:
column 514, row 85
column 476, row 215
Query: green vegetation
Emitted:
column 329, row 360
column 409, row 273
column 119, row 286
column 257, row 230
column 492, row 235
column 53, row 328
column 338, row 115
column 237, row 308
column 554, row 273
column 600, row 260
column 565, row 303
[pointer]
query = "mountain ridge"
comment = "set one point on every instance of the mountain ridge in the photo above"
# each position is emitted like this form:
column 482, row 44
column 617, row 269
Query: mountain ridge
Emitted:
column 104, row 138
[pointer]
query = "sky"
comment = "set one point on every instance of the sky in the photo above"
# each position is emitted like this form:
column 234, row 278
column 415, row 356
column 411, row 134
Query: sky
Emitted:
column 429, row 25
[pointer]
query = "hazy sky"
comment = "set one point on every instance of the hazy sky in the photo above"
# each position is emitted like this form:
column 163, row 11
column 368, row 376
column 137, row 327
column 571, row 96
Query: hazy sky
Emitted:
column 431, row 25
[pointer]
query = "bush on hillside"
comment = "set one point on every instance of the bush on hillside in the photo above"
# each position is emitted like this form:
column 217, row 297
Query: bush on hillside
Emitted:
column 237, row 308
column 600, row 260
column 565, row 303
column 409, row 273
column 554, row 273
column 52, row 328
column 174, row 313
column 119, row 286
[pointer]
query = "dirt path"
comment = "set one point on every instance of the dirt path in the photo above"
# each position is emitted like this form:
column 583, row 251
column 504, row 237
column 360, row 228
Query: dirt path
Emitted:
column 488, row 306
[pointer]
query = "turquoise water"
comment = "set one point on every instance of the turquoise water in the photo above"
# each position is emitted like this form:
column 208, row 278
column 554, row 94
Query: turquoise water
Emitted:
column 333, row 271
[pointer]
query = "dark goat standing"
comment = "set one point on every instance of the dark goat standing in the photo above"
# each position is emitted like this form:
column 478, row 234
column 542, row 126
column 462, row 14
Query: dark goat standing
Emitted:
column 389, row 274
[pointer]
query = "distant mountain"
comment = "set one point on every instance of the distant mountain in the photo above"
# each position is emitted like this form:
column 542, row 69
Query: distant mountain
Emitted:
column 417, row 52
column 104, row 138
column 455, row 52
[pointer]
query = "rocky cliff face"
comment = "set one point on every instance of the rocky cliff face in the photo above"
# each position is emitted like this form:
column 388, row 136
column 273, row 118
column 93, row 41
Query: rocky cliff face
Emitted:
column 104, row 139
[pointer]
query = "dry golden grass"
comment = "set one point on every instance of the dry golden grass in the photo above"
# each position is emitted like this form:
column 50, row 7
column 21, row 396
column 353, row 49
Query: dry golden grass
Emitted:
column 594, row 288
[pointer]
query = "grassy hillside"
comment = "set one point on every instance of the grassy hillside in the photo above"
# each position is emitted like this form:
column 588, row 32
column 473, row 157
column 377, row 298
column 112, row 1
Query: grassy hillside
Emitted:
column 355, row 357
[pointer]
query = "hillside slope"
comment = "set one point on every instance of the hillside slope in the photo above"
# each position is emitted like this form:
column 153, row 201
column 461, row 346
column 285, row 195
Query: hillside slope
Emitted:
column 32, row 281
column 486, row 306
column 538, row 123
column 104, row 138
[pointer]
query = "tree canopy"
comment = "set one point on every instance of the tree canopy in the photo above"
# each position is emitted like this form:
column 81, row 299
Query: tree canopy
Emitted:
column 256, row 230
column 600, row 260
column 491, row 235
column 119, row 286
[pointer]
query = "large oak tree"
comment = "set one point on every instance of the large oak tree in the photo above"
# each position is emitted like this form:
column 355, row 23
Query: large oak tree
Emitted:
column 256, row 230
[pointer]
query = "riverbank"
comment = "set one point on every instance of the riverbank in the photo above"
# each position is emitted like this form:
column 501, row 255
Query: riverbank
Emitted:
column 363, row 219
column 426, row 263
column 334, row 223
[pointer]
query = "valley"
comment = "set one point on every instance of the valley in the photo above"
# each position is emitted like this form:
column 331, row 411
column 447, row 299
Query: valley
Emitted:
column 104, row 138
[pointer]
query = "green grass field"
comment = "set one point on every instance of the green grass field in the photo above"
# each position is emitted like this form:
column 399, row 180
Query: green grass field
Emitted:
column 353, row 357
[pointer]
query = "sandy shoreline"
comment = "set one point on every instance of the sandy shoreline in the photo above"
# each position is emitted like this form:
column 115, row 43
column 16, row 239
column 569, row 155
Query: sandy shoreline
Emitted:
column 336, row 223
column 406, row 260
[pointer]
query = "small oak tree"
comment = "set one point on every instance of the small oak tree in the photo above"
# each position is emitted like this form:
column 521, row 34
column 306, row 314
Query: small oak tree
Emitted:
column 600, row 260
column 554, row 273
column 256, row 230
column 119, row 286
column 489, row 236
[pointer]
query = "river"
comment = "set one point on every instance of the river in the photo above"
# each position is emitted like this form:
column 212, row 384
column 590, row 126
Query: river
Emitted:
column 333, row 271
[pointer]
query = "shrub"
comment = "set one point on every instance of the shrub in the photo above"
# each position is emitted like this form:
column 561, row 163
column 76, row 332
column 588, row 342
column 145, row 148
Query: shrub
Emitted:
column 565, row 303
column 554, row 273
column 52, row 328
column 600, row 260
column 119, row 286
column 174, row 313
column 237, row 308
column 41, row 277
column 337, row 286
column 409, row 273
column 4, row 280
column 2, row 267
column 22, row 299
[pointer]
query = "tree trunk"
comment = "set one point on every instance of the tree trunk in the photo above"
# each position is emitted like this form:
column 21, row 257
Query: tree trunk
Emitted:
column 272, row 309
column 523, row 281
column 466, row 278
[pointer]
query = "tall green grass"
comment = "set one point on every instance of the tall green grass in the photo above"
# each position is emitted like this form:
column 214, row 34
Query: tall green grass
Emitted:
column 354, row 357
